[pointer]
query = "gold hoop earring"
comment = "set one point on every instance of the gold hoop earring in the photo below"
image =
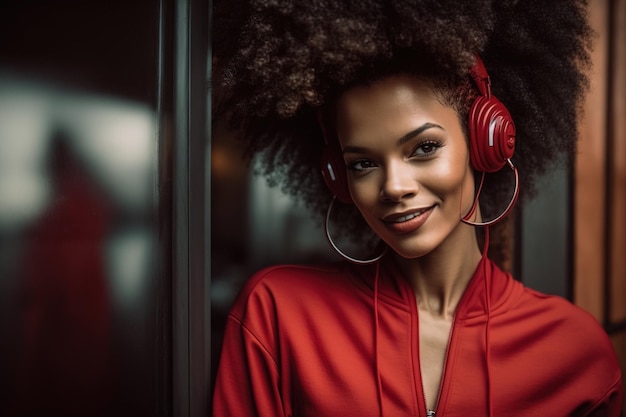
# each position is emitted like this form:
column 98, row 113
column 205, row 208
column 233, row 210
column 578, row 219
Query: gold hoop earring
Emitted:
column 339, row 251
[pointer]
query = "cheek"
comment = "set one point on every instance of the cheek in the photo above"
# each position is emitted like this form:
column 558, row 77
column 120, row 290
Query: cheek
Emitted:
column 364, row 192
column 451, row 180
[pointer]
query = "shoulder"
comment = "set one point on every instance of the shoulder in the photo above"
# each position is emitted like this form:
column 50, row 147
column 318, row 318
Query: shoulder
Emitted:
column 548, row 318
column 285, row 303
column 572, row 345
column 562, row 317
column 558, row 312
column 280, row 278
column 287, row 287
column 560, row 326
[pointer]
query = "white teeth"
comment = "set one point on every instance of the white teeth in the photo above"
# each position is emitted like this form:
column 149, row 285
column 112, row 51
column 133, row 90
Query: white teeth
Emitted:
column 405, row 218
column 408, row 217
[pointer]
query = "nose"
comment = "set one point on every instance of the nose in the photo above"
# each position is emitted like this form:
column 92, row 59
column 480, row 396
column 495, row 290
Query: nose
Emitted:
column 400, row 182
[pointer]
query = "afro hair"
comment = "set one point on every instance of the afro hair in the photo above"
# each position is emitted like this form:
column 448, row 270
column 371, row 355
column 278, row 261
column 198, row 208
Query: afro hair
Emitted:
column 279, row 61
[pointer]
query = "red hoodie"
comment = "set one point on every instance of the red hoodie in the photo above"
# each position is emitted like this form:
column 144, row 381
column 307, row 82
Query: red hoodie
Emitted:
column 342, row 340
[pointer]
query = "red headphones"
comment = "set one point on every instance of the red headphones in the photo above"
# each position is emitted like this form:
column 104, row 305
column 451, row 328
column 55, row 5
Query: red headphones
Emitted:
column 491, row 137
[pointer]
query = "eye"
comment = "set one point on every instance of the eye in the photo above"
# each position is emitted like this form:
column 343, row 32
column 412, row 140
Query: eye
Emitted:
column 426, row 148
column 360, row 165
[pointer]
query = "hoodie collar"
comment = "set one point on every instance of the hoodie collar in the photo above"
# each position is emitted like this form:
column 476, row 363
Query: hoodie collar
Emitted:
column 393, row 287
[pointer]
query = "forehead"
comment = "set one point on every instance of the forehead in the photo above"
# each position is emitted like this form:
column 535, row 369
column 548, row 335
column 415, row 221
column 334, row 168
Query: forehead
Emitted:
column 392, row 90
column 390, row 106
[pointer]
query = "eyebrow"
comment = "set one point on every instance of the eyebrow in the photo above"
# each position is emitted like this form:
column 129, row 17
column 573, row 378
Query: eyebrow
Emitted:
column 404, row 139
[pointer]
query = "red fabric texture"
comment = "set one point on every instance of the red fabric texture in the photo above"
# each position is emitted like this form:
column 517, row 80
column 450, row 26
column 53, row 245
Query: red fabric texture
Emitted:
column 301, row 341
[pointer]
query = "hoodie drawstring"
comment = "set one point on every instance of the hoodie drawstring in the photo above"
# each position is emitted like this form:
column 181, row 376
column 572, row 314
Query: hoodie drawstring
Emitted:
column 488, row 306
column 376, row 331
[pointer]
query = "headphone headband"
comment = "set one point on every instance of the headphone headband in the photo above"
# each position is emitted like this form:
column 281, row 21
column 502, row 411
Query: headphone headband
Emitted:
column 481, row 79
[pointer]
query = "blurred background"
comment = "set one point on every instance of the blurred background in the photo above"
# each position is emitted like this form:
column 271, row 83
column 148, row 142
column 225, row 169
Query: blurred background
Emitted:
column 129, row 219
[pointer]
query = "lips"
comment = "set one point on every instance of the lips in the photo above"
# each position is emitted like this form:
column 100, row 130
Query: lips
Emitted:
column 407, row 222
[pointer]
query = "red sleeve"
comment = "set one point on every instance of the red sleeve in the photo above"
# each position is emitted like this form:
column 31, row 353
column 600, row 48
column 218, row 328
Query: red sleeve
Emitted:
column 248, row 379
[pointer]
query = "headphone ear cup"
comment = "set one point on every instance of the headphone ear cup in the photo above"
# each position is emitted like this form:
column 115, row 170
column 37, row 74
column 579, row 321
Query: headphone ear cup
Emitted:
column 492, row 134
column 334, row 173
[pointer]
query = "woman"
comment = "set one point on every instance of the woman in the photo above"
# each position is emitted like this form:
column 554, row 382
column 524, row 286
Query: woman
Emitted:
column 393, row 98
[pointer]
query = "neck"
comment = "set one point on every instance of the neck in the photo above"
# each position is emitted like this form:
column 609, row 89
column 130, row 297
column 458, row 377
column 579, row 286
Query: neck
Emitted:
column 440, row 277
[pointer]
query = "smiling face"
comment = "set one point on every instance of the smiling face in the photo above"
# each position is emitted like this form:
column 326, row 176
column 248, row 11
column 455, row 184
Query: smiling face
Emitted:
column 408, row 164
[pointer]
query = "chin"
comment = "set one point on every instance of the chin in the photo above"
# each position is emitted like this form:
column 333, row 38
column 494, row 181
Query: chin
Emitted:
column 415, row 248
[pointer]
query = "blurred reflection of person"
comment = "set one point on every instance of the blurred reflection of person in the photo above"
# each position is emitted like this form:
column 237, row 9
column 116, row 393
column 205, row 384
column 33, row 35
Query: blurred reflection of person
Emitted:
column 64, row 367
column 84, row 253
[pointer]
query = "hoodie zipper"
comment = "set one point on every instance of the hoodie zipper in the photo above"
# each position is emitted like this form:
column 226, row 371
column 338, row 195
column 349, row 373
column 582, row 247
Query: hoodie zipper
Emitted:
column 443, row 370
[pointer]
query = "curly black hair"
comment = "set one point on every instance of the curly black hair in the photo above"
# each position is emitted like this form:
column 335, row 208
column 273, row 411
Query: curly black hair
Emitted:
column 279, row 61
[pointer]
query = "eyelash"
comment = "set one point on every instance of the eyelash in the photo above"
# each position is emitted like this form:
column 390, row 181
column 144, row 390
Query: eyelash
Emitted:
column 432, row 144
column 352, row 166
